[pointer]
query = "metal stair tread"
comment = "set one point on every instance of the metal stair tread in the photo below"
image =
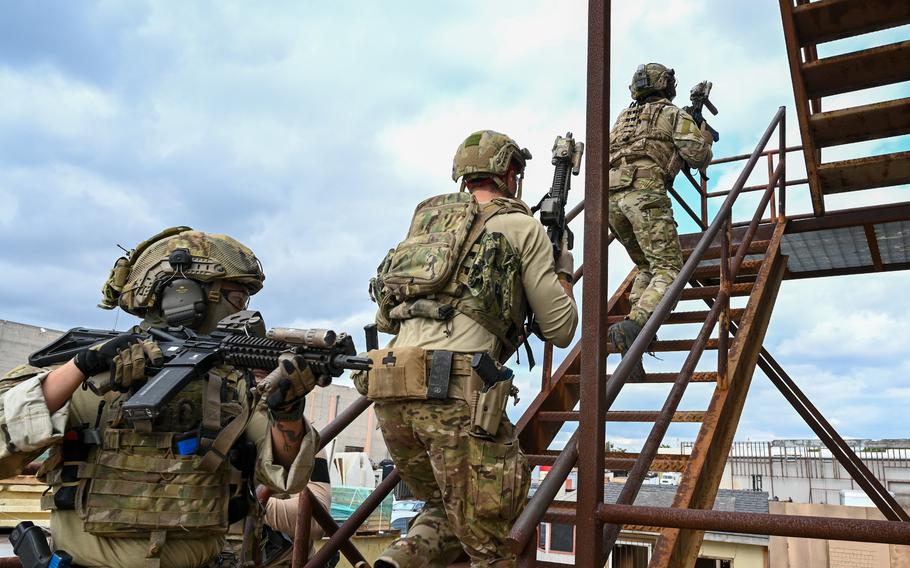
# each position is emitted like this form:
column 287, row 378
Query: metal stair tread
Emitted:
column 865, row 173
column 873, row 67
column 829, row 20
column 859, row 123
column 654, row 378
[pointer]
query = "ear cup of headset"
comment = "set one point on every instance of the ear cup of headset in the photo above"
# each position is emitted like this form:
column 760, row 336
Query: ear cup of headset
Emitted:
column 183, row 302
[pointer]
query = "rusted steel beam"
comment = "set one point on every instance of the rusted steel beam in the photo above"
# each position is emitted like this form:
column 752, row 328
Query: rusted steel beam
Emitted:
column 741, row 157
column 801, row 100
column 827, row 528
column 756, row 219
column 859, row 123
column 526, row 524
column 713, row 253
column 623, row 416
column 302, row 530
column 669, row 345
column 10, row 562
column 350, row 526
column 863, row 69
column 846, row 271
column 851, row 218
column 698, row 486
column 595, row 290
column 740, row 289
column 575, row 212
column 686, row 208
column 872, row 241
column 700, row 377
column 759, row 187
column 664, row 418
column 342, row 421
column 839, row 448
column 328, row 524
column 620, row 460
column 696, row 316
column 865, row 173
column 536, row 435
column 829, row 20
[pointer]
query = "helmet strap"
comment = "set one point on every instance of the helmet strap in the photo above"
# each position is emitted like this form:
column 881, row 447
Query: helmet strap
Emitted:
column 214, row 295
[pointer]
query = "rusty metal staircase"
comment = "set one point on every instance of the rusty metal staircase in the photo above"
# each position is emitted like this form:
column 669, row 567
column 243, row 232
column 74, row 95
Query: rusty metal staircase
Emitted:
column 727, row 262
column 807, row 24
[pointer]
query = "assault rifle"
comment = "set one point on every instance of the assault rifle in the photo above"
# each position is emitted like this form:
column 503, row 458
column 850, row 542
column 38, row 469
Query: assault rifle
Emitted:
column 699, row 98
column 567, row 154
column 237, row 341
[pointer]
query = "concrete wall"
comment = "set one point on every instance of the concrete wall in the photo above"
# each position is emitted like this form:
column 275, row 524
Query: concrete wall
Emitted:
column 19, row 340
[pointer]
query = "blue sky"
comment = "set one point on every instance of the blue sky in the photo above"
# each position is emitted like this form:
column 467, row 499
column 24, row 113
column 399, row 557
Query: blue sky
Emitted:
column 309, row 130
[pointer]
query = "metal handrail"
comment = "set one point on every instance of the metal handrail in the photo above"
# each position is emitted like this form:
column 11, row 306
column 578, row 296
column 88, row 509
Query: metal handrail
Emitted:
column 526, row 523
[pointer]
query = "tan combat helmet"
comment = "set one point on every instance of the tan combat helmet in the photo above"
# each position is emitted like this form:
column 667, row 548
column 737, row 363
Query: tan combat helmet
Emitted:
column 486, row 153
column 653, row 78
column 136, row 279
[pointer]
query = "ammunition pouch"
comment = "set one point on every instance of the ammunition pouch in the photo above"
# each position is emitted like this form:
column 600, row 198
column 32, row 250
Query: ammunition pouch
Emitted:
column 398, row 374
column 621, row 177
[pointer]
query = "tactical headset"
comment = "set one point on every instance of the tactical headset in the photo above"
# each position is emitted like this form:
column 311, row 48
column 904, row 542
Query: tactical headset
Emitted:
column 183, row 301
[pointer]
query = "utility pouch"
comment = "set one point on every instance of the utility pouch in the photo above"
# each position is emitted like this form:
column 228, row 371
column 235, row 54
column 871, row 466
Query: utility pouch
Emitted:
column 398, row 373
column 622, row 176
column 488, row 409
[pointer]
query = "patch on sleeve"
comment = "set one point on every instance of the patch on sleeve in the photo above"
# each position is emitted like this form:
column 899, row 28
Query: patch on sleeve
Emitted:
column 23, row 372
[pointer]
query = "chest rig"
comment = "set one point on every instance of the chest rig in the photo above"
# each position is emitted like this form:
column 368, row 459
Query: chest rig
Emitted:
column 641, row 132
column 172, row 480
column 448, row 263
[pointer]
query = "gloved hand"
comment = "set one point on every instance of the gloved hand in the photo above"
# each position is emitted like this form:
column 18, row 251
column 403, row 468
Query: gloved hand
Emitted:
column 565, row 264
column 124, row 356
column 286, row 387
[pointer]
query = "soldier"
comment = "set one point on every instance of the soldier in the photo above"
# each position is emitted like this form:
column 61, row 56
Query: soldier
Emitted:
column 121, row 496
column 648, row 144
column 453, row 443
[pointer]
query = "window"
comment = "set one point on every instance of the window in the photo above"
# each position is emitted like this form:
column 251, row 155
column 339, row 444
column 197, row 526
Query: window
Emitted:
column 353, row 448
column 542, row 539
column 562, row 538
column 756, row 483
column 713, row 563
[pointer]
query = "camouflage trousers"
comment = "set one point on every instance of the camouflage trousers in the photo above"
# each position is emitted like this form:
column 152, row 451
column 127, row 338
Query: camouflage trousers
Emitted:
column 642, row 220
column 473, row 488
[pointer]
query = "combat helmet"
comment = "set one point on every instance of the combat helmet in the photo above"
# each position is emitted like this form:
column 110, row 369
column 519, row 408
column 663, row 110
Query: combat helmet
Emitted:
column 487, row 154
column 136, row 281
column 653, row 78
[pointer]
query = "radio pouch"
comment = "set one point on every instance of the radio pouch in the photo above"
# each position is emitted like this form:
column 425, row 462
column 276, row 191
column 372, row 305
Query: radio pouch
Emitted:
column 398, row 373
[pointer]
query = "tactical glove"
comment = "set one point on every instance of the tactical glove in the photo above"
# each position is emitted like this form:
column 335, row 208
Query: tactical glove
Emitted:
column 130, row 363
column 286, row 387
column 565, row 264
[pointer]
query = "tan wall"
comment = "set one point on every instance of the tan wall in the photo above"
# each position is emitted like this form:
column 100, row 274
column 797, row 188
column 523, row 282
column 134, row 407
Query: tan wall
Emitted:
column 788, row 552
column 742, row 555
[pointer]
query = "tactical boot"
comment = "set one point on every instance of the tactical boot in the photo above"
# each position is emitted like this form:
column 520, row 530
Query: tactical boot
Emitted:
column 622, row 335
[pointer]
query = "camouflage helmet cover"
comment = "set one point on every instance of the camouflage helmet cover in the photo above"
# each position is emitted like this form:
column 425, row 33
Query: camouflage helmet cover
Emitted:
column 135, row 279
column 653, row 78
column 486, row 153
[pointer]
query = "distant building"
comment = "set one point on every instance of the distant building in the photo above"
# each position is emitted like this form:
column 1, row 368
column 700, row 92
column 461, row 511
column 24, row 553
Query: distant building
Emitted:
column 633, row 549
column 19, row 340
column 804, row 471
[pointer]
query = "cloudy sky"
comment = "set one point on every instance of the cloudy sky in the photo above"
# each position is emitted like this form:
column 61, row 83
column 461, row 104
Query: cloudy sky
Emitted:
column 309, row 130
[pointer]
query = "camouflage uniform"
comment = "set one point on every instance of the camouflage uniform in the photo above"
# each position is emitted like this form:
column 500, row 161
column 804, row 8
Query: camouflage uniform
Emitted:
column 648, row 145
column 474, row 487
column 121, row 497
